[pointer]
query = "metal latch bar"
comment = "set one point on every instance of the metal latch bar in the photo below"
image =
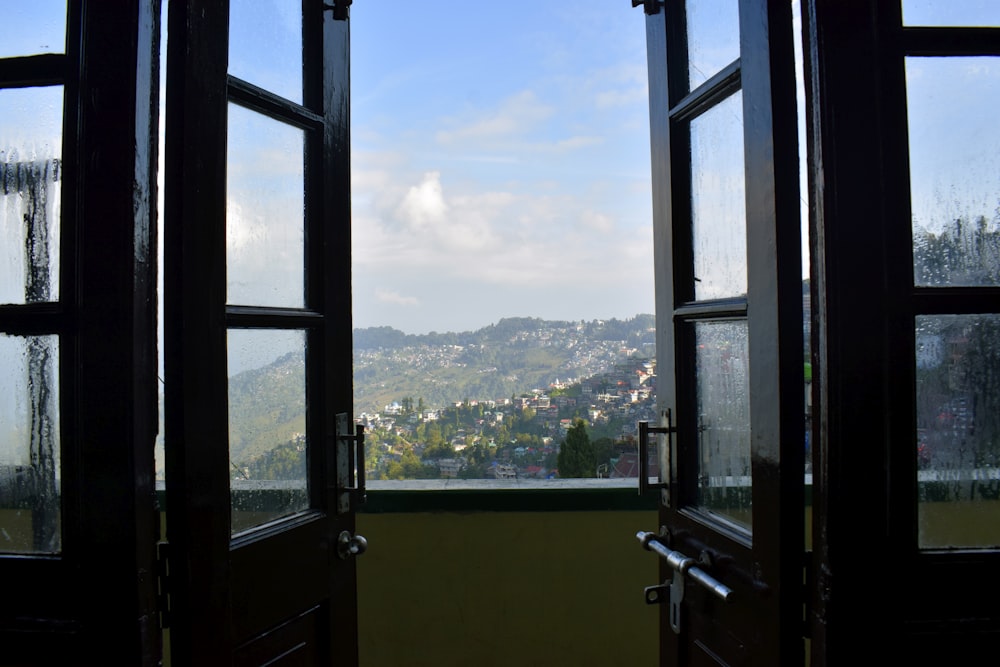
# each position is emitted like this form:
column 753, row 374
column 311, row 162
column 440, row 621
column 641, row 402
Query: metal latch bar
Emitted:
column 685, row 565
column 682, row 566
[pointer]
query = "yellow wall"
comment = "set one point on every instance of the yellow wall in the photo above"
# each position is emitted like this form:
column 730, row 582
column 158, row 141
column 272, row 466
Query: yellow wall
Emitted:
column 506, row 588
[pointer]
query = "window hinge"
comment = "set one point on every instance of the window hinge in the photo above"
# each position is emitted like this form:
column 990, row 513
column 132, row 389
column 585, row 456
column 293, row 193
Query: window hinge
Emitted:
column 649, row 7
column 341, row 9
column 808, row 581
column 163, row 582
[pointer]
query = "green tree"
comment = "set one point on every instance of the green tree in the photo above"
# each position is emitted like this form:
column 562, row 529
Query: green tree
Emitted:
column 604, row 449
column 576, row 456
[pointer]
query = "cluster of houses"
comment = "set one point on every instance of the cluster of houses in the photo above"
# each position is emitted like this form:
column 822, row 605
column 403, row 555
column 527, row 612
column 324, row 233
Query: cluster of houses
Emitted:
column 626, row 393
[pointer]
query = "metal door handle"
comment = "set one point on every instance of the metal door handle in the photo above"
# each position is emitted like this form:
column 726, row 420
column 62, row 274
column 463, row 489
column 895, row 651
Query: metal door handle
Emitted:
column 685, row 565
column 644, row 431
column 351, row 545
column 350, row 459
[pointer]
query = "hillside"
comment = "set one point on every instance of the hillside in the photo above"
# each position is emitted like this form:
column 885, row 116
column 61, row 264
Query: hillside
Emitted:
column 513, row 356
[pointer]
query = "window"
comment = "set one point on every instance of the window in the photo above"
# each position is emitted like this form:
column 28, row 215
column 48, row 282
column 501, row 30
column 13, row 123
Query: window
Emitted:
column 955, row 226
column 500, row 194
column 31, row 178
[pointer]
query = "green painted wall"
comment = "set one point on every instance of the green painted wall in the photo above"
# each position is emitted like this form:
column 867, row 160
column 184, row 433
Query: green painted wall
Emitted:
column 506, row 588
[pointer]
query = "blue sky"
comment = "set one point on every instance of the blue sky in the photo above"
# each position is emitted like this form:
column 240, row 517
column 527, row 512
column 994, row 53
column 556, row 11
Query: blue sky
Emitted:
column 500, row 150
column 500, row 162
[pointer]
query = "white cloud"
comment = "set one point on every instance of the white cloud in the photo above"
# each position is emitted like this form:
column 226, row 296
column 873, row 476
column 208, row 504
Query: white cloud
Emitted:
column 577, row 142
column 390, row 296
column 597, row 221
column 498, row 239
column 620, row 86
column 516, row 115
column 424, row 204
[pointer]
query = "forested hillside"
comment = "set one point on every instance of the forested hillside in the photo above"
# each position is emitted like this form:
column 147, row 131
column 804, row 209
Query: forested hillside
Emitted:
column 511, row 357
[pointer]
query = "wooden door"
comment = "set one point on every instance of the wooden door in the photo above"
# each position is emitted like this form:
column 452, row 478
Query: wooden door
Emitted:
column 906, row 294
column 78, row 517
column 260, row 483
column 730, row 331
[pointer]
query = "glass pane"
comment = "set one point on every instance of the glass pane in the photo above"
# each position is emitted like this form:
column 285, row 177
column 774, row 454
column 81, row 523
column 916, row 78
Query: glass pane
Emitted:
column 265, row 241
column 954, row 170
column 31, row 28
column 722, row 372
column 30, row 189
column 265, row 45
column 718, row 204
column 713, row 31
column 958, row 430
column 267, row 425
column 951, row 13
column 29, row 445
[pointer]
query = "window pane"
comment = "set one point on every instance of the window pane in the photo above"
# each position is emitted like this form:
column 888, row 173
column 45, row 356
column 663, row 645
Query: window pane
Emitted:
column 265, row 242
column 718, row 204
column 713, row 31
column 31, row 28
column 265, row 45
column 267, row 425
column 30, row 189
column 958, row 430
column 954, row 170
column 722, row 371
column 29, row 444
column 951, row 13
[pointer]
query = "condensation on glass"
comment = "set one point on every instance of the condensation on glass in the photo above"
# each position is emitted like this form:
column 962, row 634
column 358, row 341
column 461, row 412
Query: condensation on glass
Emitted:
column 267, row 425
column 718, row 201
column 29, row 445
column 953, row 13
column 958, row 430
column 33, row 28
column 265, row 237
column 954, row 170
column 723, row 426
column 713, row 34
column 265, row 45
column 30, row 190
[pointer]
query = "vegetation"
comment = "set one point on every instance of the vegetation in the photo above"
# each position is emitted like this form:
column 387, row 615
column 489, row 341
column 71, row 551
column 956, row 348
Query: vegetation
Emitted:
column 267, row 405
column 513, row 356
column 958, row 361
column 576, row 457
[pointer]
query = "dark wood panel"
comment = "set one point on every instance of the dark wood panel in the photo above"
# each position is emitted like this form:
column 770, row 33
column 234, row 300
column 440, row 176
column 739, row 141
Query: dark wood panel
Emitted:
column 275, row 577
column 292, row 643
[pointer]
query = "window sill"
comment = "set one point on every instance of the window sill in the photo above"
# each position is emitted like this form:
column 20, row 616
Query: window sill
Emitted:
column 516, row 495
column 467, row 495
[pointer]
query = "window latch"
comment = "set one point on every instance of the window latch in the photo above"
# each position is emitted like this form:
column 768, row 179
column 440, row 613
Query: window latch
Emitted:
column 649, row 7
column 341, row 9
column 163, row 582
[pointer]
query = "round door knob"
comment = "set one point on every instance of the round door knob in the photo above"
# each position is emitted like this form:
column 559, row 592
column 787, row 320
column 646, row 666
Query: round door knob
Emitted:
column 351, row 545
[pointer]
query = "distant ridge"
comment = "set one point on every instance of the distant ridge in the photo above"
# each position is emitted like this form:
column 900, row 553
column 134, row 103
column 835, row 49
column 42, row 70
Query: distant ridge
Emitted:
column 388, row 337
column 511, row 357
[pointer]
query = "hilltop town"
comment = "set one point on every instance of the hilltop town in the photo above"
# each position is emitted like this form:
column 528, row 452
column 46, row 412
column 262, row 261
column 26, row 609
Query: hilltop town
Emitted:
column 515, row 437
column 492, row 403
